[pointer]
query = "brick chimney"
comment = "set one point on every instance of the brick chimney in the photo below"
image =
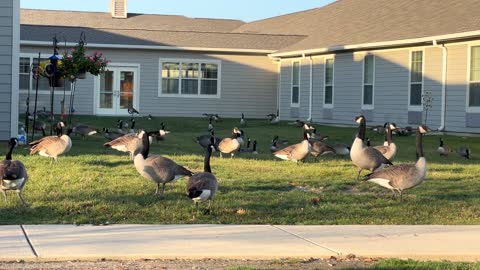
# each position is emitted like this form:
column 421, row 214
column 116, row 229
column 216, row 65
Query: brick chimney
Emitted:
column 118, row 9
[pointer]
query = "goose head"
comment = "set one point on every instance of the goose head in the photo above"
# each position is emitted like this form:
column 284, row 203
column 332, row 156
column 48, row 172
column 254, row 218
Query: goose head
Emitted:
column 140, row 134
column 359, row 119
column 424, row 129
column 13, row 142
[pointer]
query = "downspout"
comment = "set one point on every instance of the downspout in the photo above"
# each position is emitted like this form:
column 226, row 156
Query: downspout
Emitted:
column 311, row 91
column 444, row 85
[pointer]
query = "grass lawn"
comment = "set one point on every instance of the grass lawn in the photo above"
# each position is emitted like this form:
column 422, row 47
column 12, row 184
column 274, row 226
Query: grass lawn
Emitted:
column 93, row 185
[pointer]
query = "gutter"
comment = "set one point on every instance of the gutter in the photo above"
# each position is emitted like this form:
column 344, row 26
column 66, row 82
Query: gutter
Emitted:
column 383, row 44
column 444, row 84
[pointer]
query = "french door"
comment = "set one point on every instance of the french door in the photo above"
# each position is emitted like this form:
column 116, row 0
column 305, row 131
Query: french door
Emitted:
column 117, row 90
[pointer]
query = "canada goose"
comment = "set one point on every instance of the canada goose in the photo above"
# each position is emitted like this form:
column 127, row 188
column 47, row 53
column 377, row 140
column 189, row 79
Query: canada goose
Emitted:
column 443, row 149
column 320, row 148
column 84, row 130
column 341, row 149
column 274, row 118
column 162, row 133
column 53, row 146
column 203, row 186
column 406, row 131
column 464, row 152
column 230, row 145
column 204, row 140
column 215, row 117
column 296, row 152
column 132, row 111
column 274, row 146
column 157, row 168
column 389, row 148
column 132, row 126
column 121, row 126
column 150, row 117
column 210, row 125
column 242, row 121
column 252, row 150
column 368, row 142
column 279, row 141
column 111, row 135
column 13, row 172
column 378, row 128
column 40, row 125
column 130, row 143
column 403, row 176
column 365, row 158
column 317, row 136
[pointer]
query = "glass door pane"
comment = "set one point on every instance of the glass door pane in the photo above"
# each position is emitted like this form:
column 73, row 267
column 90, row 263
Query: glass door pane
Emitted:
column 127, row 80
column 106, row 90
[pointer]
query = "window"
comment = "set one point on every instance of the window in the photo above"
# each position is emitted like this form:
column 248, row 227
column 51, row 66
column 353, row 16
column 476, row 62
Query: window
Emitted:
column 189, row 78
column 295, row 84
column 474, row 80
column 26, row 81
column 416, row 80
column 328, row 89
column 368, row 81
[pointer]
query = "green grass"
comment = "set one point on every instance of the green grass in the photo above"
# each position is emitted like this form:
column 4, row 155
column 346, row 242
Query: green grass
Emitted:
column 94, row 185
column 428, row 265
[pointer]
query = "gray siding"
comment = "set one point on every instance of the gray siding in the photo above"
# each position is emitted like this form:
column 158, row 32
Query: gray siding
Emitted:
column 248, row 85
column 6, row 51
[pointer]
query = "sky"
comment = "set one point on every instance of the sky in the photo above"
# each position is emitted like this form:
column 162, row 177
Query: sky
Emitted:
column 245, row 10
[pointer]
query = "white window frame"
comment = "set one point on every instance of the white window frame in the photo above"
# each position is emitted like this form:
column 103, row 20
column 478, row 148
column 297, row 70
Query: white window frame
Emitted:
column 469, row 109
column 328, row 106
column 368, row 106
column 33, row 57
column 295, row 105
column 181, row 61
column 417, row 108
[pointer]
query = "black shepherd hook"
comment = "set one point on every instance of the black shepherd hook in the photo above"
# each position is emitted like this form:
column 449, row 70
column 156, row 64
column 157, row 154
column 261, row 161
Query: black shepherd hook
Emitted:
column 36, row 76
column 83, row 38
column 53, row 79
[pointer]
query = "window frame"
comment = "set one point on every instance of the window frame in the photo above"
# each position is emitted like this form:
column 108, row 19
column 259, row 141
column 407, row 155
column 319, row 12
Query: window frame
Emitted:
column 183, row 61
column 416, row 108
column 295, row 105
column 363, row 105
column 468, row 108
column 32, row 56
column 332, row 84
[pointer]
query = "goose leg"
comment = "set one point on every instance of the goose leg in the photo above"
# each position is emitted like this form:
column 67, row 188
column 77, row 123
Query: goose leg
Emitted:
column 359, row 171
column 401, row 195
column 163, row 190
column 157, row 189
column 19, row 192
column 221, row 155
column 232, row 154
column 394, row 194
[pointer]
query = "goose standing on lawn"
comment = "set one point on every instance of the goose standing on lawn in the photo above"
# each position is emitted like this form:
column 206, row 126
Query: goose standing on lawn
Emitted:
column 364, row 157
column 231, row 145
column 389, row 148
column 403, row 176
column 464, row 152
column 204, row 140
column 13, row 172
column 111, row 135
column 84, row 130
column 203, row 186
column 159, row 169
column 242, row 121
column 297, row 152
column 130, row 143
column 210, row 125
column 443, row 149
column 53, row 146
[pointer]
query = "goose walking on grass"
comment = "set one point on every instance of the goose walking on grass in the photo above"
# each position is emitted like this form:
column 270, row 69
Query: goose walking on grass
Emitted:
column 203, row 186
column 341, row 149
column 231, row 145
column 111, row 135
column 84, row 130
column 130, row 143
column 204, row 140
column 403, row 176
column 320, row 148
column 162, row 134
column 53, row 146
column 464, row 152
column 156, row 168
column 443, row 149
column 364, row 157
column 242, row 121
column 252, row 150
column 13, row 172
column 389, row 148
column 297, row 152
column 274, row 118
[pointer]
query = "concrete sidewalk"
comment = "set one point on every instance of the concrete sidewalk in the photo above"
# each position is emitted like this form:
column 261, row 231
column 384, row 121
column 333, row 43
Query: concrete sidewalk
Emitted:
column 67, row 242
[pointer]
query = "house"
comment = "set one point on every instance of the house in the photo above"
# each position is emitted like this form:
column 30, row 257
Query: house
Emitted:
column 379, row 58
column 9, row 53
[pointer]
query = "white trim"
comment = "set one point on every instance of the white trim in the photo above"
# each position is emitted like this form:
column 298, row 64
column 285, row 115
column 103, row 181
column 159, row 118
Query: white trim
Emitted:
column 147, row 47
column 469, row 109
column 295, row 105
column 372, row 45
column 14, row 110
column 310, row 103
column 194, row 61
column 368, row 106
column 415, row 108
column 279, row 83
column 328, row 106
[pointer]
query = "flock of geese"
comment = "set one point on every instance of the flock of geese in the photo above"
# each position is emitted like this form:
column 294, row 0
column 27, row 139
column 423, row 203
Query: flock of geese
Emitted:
column 202, row 186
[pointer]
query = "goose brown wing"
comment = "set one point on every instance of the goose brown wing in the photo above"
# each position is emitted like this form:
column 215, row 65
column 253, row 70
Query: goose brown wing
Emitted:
column 50, row 144
column 228, row 145
column 382, row 149
column 164, row 169
column 285, row 151
column 200, row 181
column 375, row 154
column 397, row 174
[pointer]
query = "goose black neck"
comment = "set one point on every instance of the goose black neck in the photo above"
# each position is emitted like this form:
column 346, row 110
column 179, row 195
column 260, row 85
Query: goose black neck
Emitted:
column 361, row 130
column 206, row 162
column 146, row 145
column 388, row 135
column 305, row 135
column 133, row 124
column 419, row 144
column 254, row 146
column 441, row 142
column 9, row 153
